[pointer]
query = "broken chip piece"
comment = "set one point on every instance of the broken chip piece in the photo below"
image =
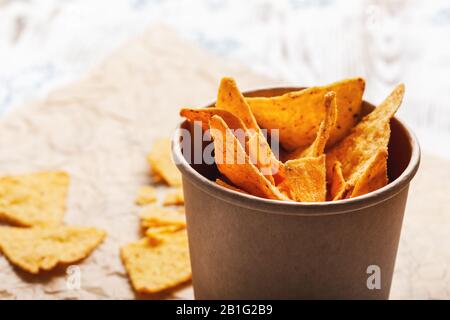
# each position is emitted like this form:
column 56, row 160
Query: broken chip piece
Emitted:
column 146, row 195
column 34, row 199
column 158, row 267
column 174, row 198
column 43, row 248
column 161, row 162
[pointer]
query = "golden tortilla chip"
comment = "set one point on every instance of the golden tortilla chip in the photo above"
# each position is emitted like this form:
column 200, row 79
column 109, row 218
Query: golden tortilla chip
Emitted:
column 146, row 195
column 155, row 268
column 233, row 163
column 298, row 114
column 231, row 99
column 374, row 176
column 157, row 235
column 155, row 216
column 337, row 184
column 229, row 186
column 305, row 179
column 34, row 199
column 366, row 139
column 160, row 159
column 175, row 198
column 323, row 134
column 43, row 248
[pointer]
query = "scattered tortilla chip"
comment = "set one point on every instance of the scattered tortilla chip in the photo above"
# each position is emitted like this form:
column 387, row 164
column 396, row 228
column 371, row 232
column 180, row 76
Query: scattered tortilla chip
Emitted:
column 374, row 176
column 337, row 185
column 157, row 235
column 231, row 99
column 298, row 114
column 43, row 248
column 233, row 163
column 370, row 135
column 305, row 179
column 229, row 186
column 156, row 178
column 155, row 216
column 323, row 134
column 155, row 268
column 34, row 199
column 160, row 159
column 175, row 198
column 146, row 195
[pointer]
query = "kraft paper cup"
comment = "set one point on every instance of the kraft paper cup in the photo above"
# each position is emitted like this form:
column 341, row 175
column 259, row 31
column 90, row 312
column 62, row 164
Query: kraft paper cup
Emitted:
column 246, row 247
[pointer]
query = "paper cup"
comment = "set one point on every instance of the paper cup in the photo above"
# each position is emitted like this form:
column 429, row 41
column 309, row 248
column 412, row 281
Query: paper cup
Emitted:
column 245, row 247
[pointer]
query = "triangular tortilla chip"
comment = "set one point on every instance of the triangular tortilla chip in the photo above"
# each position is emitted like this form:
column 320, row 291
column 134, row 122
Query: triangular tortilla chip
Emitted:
column 34, row 199
column 323, row 134
column 160, row 159
column 229, row 186
column 337, row 184
column 374, row 176
column 231, row 99
column 305, row 179
column 233, row 163
column 370, row 135
column 43, row 248
column 157, row 267
column 298, row 116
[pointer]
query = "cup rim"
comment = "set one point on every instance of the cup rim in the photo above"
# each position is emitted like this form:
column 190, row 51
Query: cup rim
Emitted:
column 298, row 208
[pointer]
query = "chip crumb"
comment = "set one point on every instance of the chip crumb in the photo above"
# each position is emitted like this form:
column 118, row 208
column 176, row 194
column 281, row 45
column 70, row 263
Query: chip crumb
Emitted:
column 160, row 159
column 175, row 198
column 44, row 248
column 34, row 199
column 146, row 195
column 155, row 268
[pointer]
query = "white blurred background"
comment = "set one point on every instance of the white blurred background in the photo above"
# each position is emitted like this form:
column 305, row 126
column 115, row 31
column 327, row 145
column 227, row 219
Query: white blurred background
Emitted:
column 46, row 43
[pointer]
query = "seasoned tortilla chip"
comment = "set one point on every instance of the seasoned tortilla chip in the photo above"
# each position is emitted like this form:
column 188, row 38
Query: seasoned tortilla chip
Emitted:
column 160, row 159
column 230, row 98
column 298, row 114
column 205, row 114
column 323, row 134
column 233, row 163
column 155, row 216
column 154, row 268
column 337, row 183
column 305, row 179
column 175, row 198
column 43, row 248
column 34, row 199
column 146, row 195
column 370, row 135
column 374, row 176
column 229, row 186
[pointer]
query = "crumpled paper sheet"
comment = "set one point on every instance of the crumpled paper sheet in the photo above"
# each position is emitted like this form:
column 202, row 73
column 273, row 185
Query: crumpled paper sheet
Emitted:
column 100, row 130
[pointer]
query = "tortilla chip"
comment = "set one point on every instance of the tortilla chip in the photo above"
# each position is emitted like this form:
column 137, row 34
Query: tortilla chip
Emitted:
column 229, row 186
column 146, row 195
column 231, row 99
column 323, row 134
column 43, row 248
column 366, row 139
column 155, row 268
column 34, row 199
column 374, row 176
column 298, row 114
column 204, row 115
column 233, row 163
column 156, row 178
column 157, row 235
column 305, row 179
column 160, row 159
column 337, row 183
column 155, row 216
column 175, row 198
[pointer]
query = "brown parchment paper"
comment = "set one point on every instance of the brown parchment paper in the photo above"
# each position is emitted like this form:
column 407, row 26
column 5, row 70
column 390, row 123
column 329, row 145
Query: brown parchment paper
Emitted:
column 100, row 128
